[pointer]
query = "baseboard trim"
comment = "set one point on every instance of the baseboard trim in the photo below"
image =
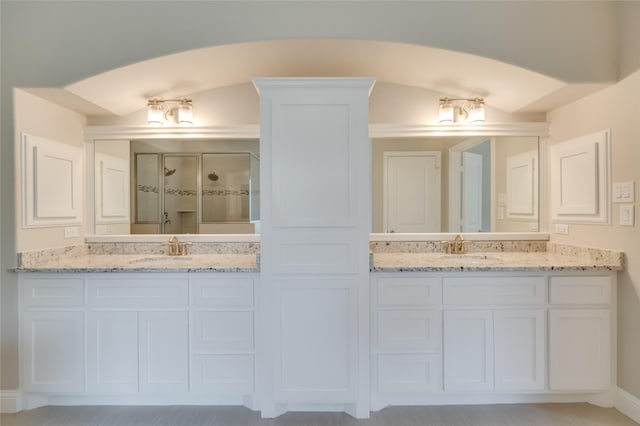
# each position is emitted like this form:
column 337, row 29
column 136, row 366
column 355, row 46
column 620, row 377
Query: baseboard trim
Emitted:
column 10, row 401
column 382, row 400
column 628, row 404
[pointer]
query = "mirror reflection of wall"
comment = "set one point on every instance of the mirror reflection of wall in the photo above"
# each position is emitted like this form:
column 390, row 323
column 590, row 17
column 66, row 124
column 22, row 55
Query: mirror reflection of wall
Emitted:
column 488, row 184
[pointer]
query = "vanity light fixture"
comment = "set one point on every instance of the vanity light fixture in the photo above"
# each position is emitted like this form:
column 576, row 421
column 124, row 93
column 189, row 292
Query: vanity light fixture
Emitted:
column 160, row 111
column 469, row 110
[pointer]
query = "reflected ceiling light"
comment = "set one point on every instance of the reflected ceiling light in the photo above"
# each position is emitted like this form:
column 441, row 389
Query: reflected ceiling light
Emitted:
column 454, row 110
column 177, row 111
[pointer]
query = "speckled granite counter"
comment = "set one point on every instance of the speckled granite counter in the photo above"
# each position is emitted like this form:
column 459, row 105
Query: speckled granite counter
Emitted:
column 555, row 258
column 149, row 263
column 141, row 258
column 413, row 257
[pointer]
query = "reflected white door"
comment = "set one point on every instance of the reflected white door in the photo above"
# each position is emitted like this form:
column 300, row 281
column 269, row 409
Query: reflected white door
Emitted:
column 412, row 191
column 472, row 192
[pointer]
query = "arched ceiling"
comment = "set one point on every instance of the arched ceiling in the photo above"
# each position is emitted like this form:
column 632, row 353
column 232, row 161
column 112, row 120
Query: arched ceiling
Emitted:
column 504, row 86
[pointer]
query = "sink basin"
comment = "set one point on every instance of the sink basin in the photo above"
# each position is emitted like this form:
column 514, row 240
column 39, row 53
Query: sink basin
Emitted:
column 160, row 260
column 468, row 258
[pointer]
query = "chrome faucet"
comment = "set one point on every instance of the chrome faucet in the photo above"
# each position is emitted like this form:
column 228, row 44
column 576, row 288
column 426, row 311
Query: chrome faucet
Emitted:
column 454, row 247
column 176, row 248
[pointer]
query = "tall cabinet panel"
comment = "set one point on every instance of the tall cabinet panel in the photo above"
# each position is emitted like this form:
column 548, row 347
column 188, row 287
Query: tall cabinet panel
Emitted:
column 316, row 199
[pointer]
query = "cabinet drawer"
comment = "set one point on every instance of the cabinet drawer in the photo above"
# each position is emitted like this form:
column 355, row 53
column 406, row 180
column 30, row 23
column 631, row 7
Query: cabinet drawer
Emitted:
column 580, row 290
column 222, row 373
column 138, row 292
column 222, row 332
column 233, row 292
column 409, row 373
column 52, row 291
column 497, row 290
column 410, row 330
column 409, row 291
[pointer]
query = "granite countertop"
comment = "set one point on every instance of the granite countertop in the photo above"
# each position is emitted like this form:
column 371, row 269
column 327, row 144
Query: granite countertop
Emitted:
column 394, row 257
column 493, row 261
column 219, row 262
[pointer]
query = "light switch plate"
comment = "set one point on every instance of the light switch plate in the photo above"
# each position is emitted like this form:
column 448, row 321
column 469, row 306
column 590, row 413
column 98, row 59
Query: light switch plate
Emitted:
column 562, row 228
column 624, row 192
column 502, row 199
column 533, row 227
column 500, row 213
column 627, row 213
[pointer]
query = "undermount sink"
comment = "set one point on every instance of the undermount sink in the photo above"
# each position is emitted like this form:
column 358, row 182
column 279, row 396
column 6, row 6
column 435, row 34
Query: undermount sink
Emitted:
column 160, row 260
column 468, row 258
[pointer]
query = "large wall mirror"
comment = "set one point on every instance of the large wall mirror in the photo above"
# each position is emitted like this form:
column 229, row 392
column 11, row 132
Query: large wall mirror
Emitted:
column 420, row 185
column 455, row 184
column 176, row 187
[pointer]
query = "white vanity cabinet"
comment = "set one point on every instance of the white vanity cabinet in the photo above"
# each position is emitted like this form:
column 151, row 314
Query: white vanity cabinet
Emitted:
column 580, row 336
column 494, row 328
column 94, row 337
column 137, row 334
column 222, row 335
column 406, row 334
column 52, row 334
column 440, row 337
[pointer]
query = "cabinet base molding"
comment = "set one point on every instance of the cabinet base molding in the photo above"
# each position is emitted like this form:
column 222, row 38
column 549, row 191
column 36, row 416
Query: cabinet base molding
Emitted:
column 381, row 400
column 10, row 401
column 627, row 404
column 32, row 401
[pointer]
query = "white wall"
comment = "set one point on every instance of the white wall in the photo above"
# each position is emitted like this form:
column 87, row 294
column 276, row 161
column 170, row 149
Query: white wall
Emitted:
column 616, row 108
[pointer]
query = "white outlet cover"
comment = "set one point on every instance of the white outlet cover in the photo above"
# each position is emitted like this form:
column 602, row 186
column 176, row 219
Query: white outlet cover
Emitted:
column 627, row 213
column 562, row 228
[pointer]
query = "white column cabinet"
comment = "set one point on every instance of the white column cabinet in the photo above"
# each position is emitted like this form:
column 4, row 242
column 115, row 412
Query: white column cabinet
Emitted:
column 315, row 163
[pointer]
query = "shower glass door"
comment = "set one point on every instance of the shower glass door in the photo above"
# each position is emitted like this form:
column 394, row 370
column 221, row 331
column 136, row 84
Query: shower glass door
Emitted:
column 180, row 203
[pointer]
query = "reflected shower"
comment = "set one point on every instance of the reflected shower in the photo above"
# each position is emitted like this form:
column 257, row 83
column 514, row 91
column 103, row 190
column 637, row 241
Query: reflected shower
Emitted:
column 168, row 172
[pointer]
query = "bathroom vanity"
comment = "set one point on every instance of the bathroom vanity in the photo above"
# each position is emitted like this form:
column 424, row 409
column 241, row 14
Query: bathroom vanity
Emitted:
column 490, row 327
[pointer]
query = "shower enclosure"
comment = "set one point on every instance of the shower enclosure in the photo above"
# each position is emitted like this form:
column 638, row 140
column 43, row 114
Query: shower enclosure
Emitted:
column 187, row 193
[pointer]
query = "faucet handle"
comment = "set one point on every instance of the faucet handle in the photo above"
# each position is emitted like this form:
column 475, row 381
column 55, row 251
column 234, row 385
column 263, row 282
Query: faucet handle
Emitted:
column 183, row 248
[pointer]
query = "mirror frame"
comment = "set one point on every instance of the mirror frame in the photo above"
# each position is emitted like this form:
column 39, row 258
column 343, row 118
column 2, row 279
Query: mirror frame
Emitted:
column 252, row 131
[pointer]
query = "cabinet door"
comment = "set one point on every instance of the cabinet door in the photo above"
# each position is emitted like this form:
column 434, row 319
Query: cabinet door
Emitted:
column 579, row 349
column 54, row 351
column 163, row 352
column 468, row 350
column 112, row 352
column 519, row 349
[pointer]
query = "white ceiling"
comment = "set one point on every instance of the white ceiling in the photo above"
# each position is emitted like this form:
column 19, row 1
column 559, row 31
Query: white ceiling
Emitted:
column 504, row 86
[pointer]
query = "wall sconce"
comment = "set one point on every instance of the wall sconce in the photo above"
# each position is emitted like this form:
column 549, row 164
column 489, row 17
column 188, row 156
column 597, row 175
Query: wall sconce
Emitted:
column 453, row 110
column 179, row 111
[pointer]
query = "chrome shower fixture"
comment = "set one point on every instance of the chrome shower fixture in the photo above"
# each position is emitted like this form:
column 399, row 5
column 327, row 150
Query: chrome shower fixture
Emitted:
column 168, row 172
column 213, row 177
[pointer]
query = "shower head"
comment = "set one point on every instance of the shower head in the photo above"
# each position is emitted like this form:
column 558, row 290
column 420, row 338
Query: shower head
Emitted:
column 168, row 172
column 213, row 177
